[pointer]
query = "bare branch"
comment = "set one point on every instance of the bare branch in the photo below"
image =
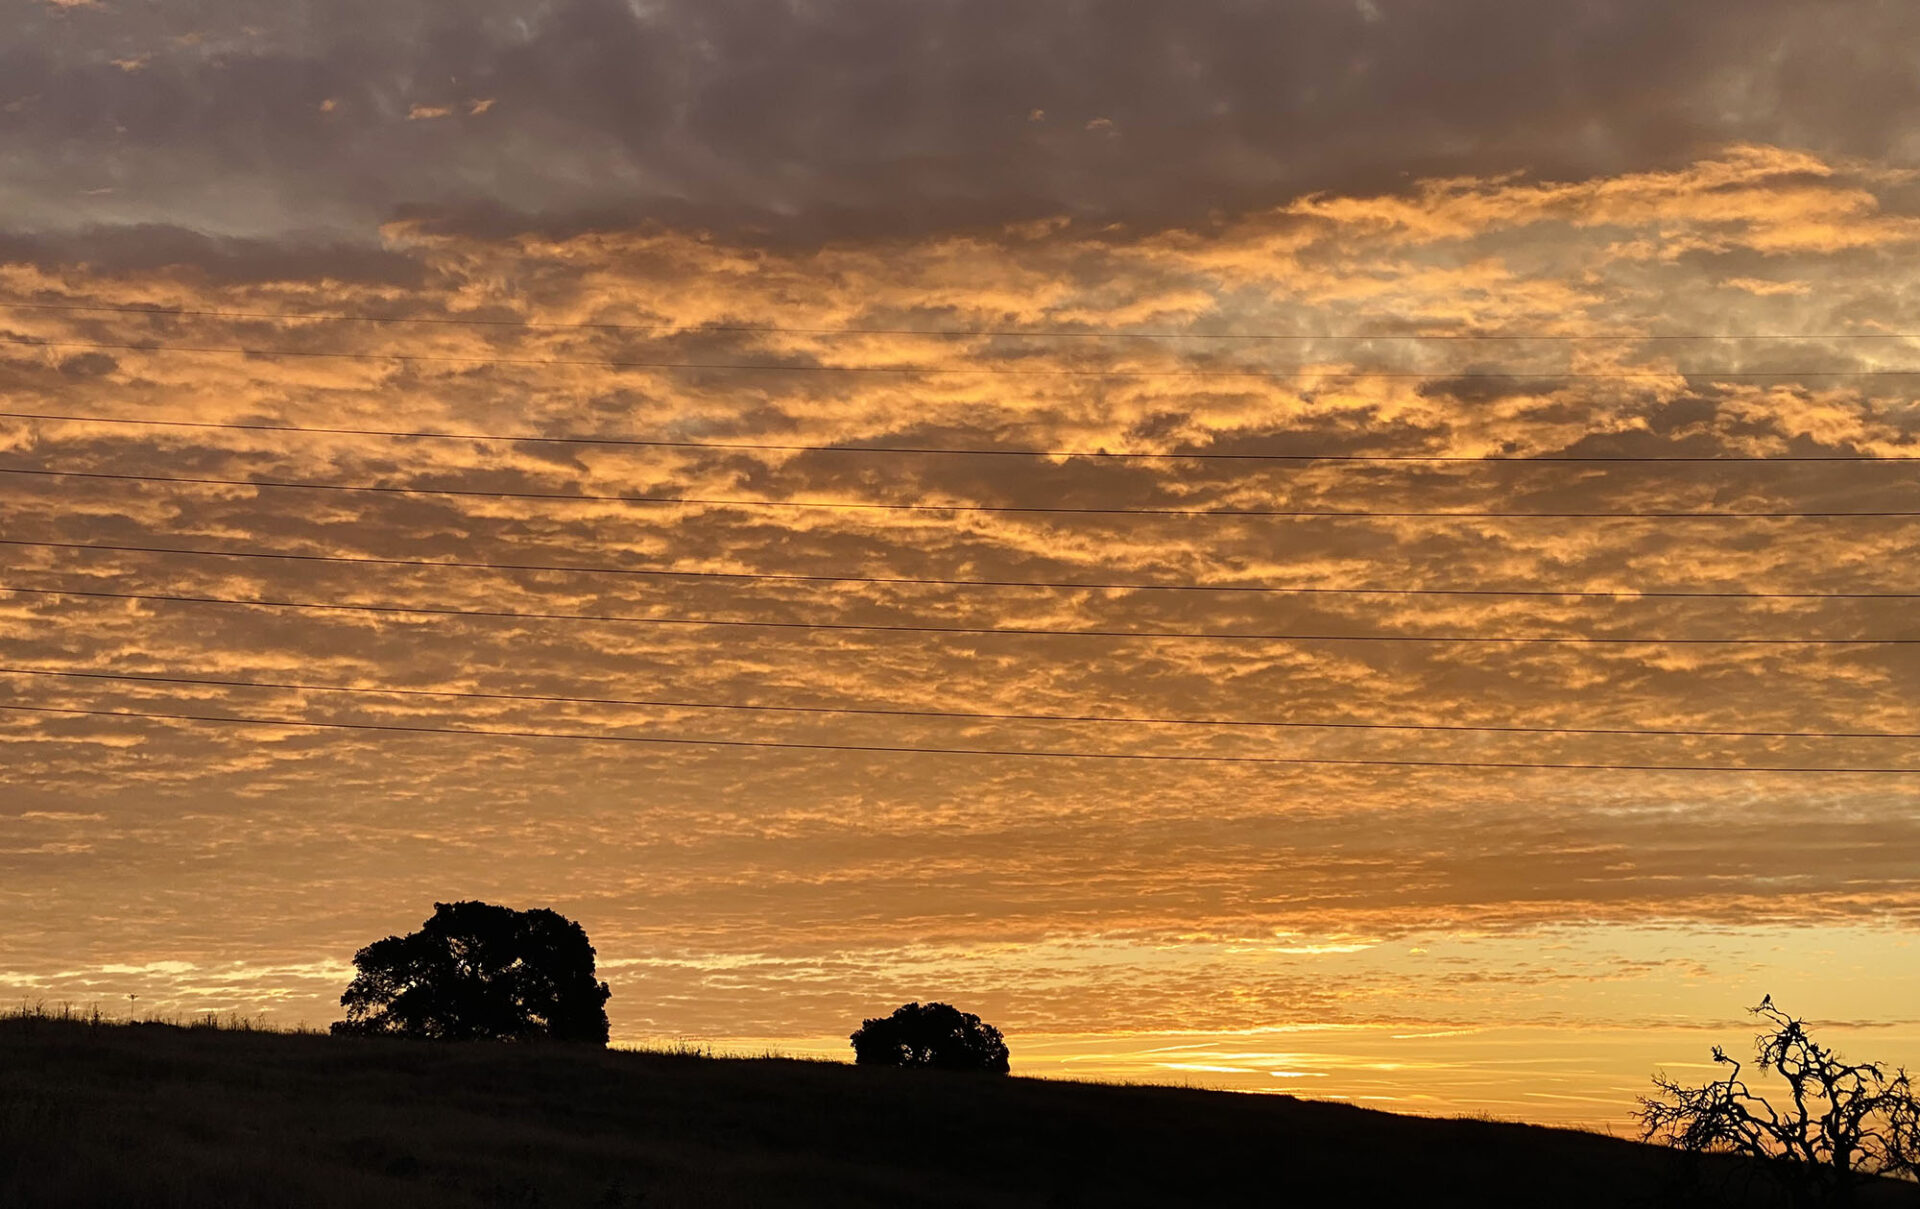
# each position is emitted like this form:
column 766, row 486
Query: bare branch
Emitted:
column 1846, row 1121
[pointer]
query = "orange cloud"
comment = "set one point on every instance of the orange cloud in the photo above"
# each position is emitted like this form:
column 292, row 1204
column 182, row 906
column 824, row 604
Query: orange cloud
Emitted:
column 785, row 888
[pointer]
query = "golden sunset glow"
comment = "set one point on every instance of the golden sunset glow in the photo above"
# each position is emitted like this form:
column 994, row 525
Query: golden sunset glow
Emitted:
column 1409, row 637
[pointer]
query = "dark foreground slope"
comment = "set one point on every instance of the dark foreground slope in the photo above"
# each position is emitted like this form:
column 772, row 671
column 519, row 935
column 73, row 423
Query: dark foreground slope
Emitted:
column 147, row 1115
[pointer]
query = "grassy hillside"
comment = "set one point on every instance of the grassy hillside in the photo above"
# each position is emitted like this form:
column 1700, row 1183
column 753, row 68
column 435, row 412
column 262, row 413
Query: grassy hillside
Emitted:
column 133, row 1116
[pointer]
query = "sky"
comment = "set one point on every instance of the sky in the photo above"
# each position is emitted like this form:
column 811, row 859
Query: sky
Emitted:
column 987, row 374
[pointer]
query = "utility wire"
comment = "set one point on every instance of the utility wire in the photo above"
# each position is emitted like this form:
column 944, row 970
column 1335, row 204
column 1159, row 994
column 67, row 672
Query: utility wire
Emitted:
column 989, row 371
column 968, row 715
column 966, row 451
column 169, row 312
column 870, row 506
column 975, row 451
column 1029, row 631
column 1047, row 584
column 1041, row 753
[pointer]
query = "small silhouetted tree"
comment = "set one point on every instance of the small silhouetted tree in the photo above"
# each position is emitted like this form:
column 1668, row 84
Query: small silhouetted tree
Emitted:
column 931, row 1034
column 477, row 972
column 1842, row 1122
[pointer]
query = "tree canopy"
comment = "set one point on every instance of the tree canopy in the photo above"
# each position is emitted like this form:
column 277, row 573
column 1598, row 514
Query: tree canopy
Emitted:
column 478, row 972
column 931, row 1034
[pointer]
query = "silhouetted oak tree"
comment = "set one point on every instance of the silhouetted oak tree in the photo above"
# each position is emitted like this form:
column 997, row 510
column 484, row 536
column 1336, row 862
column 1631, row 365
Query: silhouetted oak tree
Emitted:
column 477, row 972
column 931, row 1034
column 1840, row 1123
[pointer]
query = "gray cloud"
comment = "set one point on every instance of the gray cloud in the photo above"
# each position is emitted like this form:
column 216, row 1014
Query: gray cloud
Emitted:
column 859, row 114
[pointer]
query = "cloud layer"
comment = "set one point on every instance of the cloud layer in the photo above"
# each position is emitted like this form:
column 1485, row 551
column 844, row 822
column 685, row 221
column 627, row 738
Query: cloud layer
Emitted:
column 1411, row 231
column 863, row 115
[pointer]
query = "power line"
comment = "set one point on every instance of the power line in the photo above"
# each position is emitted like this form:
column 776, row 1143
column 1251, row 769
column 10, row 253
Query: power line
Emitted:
column 975, row 451
column 927, row 581
column 969, row 715
column 1043, row 753
column 1026, row 631
column 990, row 371
column 962, row 333
column 871, row 506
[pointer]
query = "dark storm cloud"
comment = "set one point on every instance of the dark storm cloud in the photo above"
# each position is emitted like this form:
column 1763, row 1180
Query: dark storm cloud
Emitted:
column 871, row 114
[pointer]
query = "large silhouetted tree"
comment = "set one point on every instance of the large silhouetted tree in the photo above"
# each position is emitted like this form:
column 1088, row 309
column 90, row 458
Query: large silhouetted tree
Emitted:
column 1840, row 1122
column 477, row 972
column 931, row 1034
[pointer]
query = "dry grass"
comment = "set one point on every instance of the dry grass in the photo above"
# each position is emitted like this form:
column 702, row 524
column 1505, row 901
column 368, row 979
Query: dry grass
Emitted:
column 225, row 1112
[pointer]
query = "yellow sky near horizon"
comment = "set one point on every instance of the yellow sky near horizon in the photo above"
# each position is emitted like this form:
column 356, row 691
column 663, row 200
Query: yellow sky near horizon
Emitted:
column 1445, row 938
